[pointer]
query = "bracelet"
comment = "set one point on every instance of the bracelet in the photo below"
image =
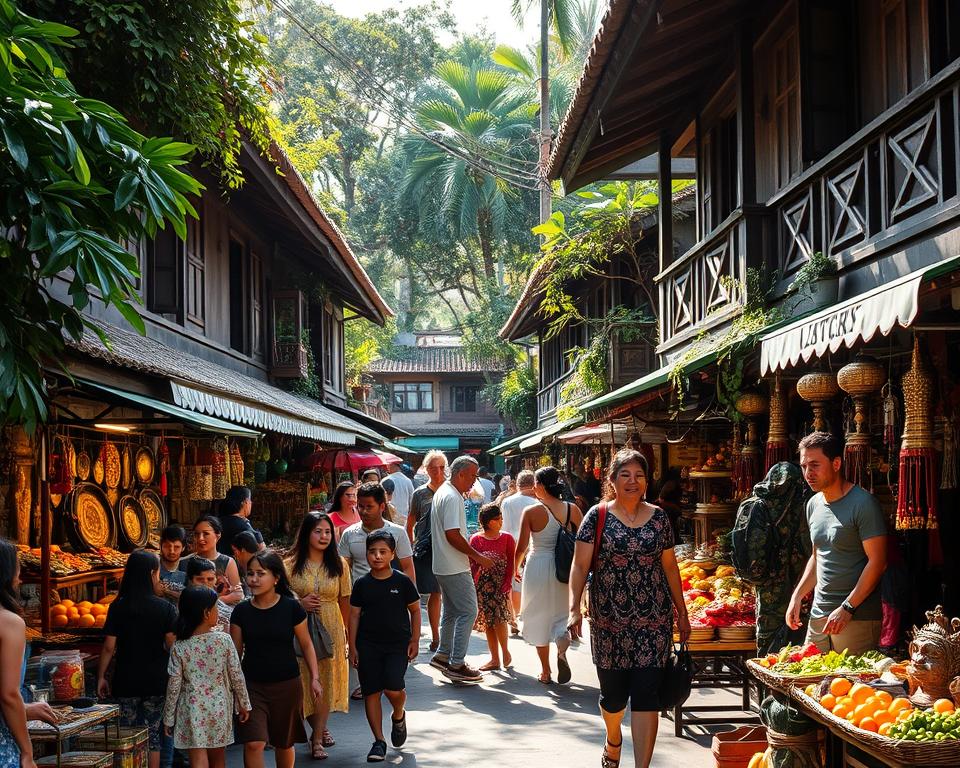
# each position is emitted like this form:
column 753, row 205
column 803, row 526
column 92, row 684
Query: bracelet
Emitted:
column 848, row 607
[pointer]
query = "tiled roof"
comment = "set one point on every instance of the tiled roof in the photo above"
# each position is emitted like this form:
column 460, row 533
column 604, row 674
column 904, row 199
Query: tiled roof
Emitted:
column 435, row 360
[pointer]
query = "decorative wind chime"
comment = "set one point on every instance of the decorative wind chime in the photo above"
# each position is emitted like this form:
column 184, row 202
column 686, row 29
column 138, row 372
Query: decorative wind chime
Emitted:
column 917, row 489
column 860, row 379
column 818, row 388
column 750, row 465
column 778, row 441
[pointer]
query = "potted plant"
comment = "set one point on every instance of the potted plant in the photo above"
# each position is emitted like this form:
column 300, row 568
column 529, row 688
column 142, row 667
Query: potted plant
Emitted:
column 815, row 285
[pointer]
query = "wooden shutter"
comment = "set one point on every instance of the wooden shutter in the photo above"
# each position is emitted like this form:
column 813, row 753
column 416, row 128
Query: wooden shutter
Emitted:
column 196, row 277
column 165, row 274
column 256, row 306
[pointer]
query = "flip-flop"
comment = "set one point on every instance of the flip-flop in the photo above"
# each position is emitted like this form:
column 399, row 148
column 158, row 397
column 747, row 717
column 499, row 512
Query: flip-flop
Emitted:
column 357, row 694
column 563, row 671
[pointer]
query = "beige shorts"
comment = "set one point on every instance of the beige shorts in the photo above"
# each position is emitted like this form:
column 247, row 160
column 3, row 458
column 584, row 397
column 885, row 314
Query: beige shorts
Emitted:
column 857, row 637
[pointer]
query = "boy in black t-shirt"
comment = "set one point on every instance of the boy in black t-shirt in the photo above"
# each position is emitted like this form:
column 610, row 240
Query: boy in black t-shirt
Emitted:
column 384, row 636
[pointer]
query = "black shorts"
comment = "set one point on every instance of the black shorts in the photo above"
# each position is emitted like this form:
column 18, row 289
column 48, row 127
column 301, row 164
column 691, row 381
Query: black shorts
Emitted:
column 641, row 685
column 381, row 668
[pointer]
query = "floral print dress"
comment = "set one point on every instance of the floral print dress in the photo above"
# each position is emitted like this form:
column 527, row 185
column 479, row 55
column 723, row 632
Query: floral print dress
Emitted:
column 494, row 583
column 206, row 687
column 631, row 611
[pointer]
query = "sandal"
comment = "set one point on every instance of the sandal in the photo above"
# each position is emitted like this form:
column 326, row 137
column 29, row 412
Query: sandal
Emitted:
column 547, row 681
column 605, row 760
column 317, row 752
column 326, row 739
column 357, row 694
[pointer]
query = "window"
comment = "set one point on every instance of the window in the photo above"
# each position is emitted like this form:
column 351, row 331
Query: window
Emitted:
column 777, row 66
column 196, row 291
column 413, row 396
column 718, row 169
column 333, row 373
column 463, row 399
column 256, row 306
column 165, row 275
column 238, row 295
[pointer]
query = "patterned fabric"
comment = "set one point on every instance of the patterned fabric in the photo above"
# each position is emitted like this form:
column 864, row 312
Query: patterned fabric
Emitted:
column 206, row 687
column 9, row 751
column 146, row 712
column 493, row 584
column 631, row 612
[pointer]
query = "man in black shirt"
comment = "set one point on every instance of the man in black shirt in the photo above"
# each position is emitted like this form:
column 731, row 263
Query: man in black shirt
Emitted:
column 234, row 513
column 384, row 636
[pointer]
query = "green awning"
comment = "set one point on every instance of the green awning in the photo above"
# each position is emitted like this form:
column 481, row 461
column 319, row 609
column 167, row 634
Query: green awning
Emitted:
column 199, row 420
column 422, row 443
column 393, row 447
column 646, row 383
column 531, row 439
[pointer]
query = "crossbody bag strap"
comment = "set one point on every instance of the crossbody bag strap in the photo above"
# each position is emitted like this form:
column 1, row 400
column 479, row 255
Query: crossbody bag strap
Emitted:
column 566, row 525
column 601, row 523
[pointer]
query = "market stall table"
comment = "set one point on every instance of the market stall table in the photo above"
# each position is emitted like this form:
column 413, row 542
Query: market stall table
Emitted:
column 718, row 664
column 77, row 721
column 100, row 577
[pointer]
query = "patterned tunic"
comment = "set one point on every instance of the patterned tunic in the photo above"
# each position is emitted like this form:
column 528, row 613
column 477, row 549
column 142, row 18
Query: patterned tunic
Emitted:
column 493, row 584
column 631, row 611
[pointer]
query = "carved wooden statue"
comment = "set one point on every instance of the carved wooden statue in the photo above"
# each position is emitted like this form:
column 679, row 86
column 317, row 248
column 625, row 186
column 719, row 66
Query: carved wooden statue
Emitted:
column 934, row 658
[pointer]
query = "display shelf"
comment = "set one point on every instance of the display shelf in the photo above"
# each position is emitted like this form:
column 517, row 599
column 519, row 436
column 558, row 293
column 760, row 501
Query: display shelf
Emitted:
column 79, row 721
column 100, row 577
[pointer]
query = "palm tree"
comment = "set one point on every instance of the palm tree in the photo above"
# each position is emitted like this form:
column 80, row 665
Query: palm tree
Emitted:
column 474, row 111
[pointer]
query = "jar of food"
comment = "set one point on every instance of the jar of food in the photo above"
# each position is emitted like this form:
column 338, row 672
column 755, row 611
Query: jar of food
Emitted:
column 64, row 671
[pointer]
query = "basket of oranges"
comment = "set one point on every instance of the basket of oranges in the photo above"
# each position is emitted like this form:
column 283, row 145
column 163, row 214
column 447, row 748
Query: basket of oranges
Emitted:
column 886, row 722
column 80, row 616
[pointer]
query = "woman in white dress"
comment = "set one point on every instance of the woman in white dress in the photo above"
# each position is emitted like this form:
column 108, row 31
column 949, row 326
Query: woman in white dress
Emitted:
column 543, row 597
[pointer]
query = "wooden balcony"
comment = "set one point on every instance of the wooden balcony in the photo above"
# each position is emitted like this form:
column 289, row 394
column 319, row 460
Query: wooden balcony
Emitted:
column 892, row 181
column 548, row 398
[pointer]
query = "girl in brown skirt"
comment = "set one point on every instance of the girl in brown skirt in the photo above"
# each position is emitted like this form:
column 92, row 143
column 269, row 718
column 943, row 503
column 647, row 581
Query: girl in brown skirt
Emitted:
column 263, row 628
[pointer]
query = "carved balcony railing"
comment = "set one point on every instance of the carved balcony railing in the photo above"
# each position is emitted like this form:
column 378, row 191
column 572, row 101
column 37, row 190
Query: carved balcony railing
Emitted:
column 548, row 398
column 889, row 182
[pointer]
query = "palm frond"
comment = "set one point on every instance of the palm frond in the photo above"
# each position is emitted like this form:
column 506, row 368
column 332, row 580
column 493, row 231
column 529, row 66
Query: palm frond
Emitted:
column 515, row 60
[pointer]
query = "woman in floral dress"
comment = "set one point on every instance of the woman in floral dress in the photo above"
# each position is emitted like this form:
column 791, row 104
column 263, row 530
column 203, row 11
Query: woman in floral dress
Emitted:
column 321, row 579
column 493, row 584
column 634, row 592
column 206, row 684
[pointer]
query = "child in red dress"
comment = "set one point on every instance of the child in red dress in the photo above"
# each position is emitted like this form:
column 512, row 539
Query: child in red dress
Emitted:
column 493, row 584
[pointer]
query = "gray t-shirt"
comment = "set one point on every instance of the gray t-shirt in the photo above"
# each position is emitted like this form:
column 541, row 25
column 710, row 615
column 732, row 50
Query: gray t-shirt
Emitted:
column 838, row 531
column 353, row 546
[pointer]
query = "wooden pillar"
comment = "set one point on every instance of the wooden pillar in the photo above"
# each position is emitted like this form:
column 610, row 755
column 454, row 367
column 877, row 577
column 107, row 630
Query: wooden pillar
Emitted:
column 45, row 526
column 746, row 145
column 665, row 209
column 24, row 459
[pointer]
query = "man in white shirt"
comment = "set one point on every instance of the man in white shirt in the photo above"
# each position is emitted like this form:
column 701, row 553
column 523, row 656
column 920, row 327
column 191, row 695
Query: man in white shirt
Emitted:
column 489, row 489
column 451, row 565
column 402, row 490
column 512, row 510
column 371, row 501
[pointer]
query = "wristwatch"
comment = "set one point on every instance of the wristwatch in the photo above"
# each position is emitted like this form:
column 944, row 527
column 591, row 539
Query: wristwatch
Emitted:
column 848, row 607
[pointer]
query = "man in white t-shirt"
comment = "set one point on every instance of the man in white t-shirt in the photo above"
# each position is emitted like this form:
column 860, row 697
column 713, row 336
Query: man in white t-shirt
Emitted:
column 371, row 501
column 451, row 565
column 512, row 510
column 402, row 490
column 489, row 489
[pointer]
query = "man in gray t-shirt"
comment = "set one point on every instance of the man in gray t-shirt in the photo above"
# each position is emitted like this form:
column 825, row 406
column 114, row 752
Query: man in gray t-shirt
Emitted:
column 849, row 536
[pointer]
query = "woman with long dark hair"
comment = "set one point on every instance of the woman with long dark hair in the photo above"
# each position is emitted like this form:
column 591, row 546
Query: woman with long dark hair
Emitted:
column 207, row 532
column 263, row 629
column 543, row 597
column 321, row 579
column 343, row 508
column 15, row 746
column 234, row 515
column 139, row 632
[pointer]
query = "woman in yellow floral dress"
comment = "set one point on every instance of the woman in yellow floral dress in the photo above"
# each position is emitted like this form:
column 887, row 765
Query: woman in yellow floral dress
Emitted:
column 321, row 579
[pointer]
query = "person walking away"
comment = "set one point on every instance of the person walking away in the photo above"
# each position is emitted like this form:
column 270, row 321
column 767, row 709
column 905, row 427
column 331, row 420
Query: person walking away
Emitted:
column 512, row 508
column 384, row 637
column 343, row 507
column 206, row 685
column 203, row 573
column 321, row 579
column 493, row 585
column 543, row 599
column 371, row 503
column 138, row 633
column 849, row 537
column 390, row 512
column 771, row 546
column 487, row 484
column 263, row 629
column 402, row 492
column 244, row 546
column 452, row 554
column 207, row 532
column 173, row 540
column 234, row 514
column 418, row 530
column 635, row 594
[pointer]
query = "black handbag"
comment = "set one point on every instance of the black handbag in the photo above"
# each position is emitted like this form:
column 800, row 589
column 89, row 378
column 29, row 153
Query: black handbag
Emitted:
column 563, row 549
column 677, row 677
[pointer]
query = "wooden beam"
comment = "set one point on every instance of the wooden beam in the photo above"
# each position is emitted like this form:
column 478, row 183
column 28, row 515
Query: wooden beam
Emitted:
column 665, row 209
column 746, row 142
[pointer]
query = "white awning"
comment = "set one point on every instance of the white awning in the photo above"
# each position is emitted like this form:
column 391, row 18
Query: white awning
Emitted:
column 849, row 321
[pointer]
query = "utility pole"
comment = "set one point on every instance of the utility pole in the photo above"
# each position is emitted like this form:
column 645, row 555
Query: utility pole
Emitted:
column 545, row 134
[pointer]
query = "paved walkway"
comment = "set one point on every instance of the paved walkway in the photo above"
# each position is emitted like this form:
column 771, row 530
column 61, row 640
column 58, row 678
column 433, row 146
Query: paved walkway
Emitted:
column 510, row 719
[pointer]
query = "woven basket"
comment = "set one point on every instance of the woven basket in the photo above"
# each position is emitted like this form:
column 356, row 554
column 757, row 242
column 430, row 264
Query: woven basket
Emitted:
column 906, row 752
column 781, row 682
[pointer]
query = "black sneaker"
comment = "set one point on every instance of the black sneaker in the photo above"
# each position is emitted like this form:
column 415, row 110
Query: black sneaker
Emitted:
column 398, row 733
column 378, row 752
column 439, row 663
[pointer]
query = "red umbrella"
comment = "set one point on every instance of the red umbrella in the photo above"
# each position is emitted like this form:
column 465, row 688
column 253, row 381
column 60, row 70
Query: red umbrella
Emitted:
column 351, row 460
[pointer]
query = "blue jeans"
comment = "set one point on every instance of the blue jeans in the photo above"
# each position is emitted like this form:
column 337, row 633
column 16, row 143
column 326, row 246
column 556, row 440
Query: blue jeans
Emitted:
column 166, row 751
column 459, row 597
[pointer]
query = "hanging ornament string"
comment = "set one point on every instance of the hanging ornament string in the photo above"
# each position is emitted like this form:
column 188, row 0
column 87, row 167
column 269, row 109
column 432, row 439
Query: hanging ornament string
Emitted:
column 778, row 442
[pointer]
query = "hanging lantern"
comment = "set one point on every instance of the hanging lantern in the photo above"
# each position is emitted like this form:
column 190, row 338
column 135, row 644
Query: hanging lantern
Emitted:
column 860, row 379
column 917, row 489
column 818, row 388
column 751, row 405
column 778, row 441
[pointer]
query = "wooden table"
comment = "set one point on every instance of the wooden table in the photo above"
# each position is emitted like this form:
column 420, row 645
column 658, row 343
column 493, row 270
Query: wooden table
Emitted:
column 99, row 577
column 718, row 664
column 98, row 714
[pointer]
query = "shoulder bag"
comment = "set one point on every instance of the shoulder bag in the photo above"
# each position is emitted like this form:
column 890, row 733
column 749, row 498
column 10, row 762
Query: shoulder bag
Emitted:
column 598, row 534
column 677, row 677
column 319, row 636
column 564, row 548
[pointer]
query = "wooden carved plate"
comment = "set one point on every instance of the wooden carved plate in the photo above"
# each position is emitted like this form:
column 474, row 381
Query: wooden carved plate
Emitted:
column 126, row 480
column 91, row 516
column 153, row 509
column 112, row 465
column 133, row 522
column 98, row 472
column 83, row 466
column 145, row 465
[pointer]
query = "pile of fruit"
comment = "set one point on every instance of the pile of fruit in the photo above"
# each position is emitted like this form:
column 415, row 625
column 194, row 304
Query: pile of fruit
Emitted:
column 61, row 563
column 82, row 615
column 801, row 661
column 862, row 705
column 105, row 557
column 721, row 460
column 941, row 722
column 717, row 600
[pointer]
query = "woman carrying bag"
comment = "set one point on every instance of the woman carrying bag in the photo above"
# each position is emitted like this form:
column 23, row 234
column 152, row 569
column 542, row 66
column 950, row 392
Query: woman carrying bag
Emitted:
column 634, row 592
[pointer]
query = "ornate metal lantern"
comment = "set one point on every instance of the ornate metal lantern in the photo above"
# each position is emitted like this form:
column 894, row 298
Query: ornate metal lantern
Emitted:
column 818, row 388
column 860, row 379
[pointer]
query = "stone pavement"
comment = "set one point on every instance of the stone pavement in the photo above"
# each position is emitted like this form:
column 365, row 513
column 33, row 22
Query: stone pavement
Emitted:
column 510, row 719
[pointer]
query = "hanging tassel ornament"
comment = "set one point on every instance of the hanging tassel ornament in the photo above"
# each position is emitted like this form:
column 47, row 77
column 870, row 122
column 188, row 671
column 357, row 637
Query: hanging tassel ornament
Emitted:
column 736, row 449
column 751, row 405
column 859, row 379
column 778, row 442
column 917, row 489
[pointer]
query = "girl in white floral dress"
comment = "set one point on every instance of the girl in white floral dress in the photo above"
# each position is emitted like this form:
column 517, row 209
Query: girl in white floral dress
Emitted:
column 206, row 683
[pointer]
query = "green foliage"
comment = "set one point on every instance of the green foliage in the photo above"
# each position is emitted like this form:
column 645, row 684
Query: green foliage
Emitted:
column 815, row 268
column 515, row 397
column 191, row 69
column 76, row 181
column 364, row 342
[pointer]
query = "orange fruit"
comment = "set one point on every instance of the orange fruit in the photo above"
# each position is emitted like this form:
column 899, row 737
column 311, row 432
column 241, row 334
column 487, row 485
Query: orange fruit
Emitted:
column 860, row 693
column 904, row 715
column 98, row 610
column 60, row 620
column 829, row 701
column 943, row 705
column 846, row 701
column 862, row 711
column 840, row 686
column 899, row 704
column 86, row 621
column 882, row 716
column 72, row 612
column 884, row 728
column 100, row 620
column 58, row 610
column 84, row 604
column 869, row 724
column 83, row 611
column 67, row 603
column 884, row 697
column 873, row 701
column 841, row 711
column 851, row 718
